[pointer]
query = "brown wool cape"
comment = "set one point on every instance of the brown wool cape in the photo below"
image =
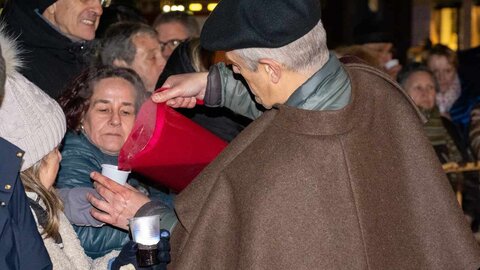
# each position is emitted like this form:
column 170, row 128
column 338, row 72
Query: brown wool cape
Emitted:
column 356, row 188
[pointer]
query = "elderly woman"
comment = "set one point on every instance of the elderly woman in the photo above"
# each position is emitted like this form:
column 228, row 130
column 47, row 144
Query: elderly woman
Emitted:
column 100, row 106
column 420, row 84
column 448, row 142
column 42, row 124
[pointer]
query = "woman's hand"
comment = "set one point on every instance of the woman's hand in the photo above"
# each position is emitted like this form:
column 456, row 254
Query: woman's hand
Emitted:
column 183, row 90
column 119, row 203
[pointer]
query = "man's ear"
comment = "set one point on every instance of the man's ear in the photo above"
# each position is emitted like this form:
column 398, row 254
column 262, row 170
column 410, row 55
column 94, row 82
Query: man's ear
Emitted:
column 120, row 63
column 273, row 69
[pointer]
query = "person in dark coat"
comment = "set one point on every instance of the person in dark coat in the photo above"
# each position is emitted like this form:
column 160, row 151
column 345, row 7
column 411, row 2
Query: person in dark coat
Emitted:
column 21, row 245
column 55, row 37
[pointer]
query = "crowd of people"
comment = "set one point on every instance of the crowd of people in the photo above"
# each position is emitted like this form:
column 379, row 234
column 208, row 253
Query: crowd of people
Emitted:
column 334, row 155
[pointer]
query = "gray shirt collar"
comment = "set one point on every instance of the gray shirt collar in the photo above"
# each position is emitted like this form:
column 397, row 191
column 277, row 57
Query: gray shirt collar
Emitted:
column 328, row 89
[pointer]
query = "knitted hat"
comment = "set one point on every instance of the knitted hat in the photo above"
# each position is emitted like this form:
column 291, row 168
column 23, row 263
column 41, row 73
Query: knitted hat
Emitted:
column 30, row 119
column 239, row 24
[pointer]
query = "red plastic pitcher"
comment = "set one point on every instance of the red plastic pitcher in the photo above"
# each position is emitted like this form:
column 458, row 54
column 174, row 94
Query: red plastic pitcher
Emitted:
column 167, row 147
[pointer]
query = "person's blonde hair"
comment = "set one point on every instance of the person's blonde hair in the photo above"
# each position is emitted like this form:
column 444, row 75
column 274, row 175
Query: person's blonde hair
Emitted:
column 31, row 180
column 201, row 59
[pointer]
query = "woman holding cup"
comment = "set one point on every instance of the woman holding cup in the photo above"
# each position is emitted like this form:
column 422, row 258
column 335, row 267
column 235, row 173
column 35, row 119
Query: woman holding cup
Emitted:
column 35, row 123
column 100, row 107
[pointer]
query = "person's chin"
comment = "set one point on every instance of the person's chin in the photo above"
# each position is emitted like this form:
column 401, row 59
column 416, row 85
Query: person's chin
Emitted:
column 88, row 33
column 111, row 149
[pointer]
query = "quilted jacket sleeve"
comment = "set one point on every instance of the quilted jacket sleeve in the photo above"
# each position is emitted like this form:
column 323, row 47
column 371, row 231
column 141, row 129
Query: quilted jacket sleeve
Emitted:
column 230, row 92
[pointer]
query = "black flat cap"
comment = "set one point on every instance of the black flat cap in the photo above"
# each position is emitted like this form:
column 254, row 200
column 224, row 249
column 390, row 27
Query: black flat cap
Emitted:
column 239, row 24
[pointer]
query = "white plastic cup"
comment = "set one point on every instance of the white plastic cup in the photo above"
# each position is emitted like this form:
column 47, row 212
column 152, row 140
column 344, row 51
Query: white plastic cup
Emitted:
column 145, row 230
column 390, row 64
column 112, row 172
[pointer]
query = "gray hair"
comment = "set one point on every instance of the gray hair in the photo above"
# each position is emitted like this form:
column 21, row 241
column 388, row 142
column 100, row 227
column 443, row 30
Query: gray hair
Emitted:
column 183, row 18
column 305, row 54
column 117, row 43
column 412, row 68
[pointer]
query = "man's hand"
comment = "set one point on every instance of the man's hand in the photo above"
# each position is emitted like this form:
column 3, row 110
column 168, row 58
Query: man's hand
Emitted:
column 119, row 203
column 183, row 90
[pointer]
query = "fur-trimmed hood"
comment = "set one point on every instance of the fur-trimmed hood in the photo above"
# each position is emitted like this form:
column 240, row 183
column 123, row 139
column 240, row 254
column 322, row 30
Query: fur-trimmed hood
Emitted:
column 10, row 51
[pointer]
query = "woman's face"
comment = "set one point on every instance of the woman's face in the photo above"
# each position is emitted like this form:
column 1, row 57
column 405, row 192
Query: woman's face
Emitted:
column 421, row 88
column 443, row 70
column 111, row 114
column 49, row 168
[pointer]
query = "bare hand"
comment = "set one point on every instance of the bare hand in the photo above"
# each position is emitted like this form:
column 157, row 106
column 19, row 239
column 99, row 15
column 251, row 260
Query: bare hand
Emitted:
column 120, row 202
column 184, row 90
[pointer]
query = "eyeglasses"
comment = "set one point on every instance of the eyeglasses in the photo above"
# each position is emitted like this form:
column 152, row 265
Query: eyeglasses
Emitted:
column 105, row 3
column 171, row 44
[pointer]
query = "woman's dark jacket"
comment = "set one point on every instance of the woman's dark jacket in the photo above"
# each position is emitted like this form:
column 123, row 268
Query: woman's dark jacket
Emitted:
column 21, row 246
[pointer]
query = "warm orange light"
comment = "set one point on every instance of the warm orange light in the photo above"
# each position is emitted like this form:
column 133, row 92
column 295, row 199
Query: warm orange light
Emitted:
column 195, row 7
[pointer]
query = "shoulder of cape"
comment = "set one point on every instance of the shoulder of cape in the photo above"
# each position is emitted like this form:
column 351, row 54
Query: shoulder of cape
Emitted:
column 353, row 67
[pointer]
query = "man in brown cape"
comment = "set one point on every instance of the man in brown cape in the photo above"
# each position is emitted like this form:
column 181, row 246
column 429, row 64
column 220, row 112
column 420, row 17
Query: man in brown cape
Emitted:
column 335, row 174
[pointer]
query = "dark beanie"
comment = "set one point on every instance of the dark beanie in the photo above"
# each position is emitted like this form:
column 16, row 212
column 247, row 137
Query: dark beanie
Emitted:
column 239, row 24
column 44, row 4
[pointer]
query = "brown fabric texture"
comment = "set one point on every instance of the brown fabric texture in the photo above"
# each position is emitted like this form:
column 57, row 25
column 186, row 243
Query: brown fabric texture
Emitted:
column 356, row 188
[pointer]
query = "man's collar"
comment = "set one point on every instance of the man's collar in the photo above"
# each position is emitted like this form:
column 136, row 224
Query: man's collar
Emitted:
column 328, row 89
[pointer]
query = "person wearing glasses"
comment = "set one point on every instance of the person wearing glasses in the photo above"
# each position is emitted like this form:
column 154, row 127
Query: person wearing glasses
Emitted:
column 133, row 45
column 174, row 28
column 55, row 37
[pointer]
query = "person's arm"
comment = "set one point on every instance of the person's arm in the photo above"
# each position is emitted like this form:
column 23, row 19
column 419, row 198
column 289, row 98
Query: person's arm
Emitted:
column 216, row 88
column 77, row 207
column 226, row 91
